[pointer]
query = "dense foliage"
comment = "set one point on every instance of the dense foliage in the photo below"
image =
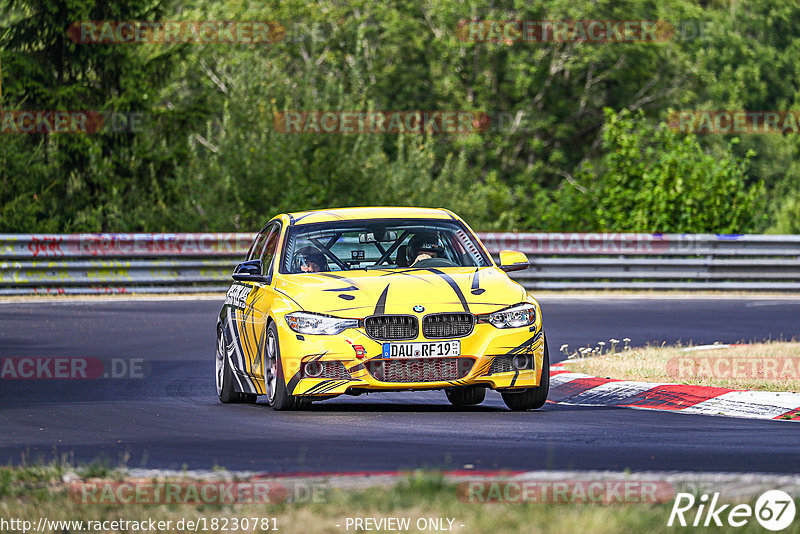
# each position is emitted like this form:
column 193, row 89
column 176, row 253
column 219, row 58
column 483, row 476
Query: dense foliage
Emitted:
column 577, row 139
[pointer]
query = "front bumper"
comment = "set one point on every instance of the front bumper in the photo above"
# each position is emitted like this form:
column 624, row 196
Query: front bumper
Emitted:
column 346, row 372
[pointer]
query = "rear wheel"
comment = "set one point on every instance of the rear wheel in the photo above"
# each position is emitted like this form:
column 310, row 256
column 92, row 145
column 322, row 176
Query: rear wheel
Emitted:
column 531, row 398
column 466, row 396
column 224, row 376
column 279, row 396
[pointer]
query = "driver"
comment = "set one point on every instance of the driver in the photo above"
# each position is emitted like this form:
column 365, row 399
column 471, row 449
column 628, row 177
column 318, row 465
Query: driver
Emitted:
column 424, row 246
column 310, row 260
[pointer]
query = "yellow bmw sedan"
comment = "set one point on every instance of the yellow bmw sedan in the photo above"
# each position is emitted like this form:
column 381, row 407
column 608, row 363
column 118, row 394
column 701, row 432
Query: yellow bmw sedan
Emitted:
column 359, row 300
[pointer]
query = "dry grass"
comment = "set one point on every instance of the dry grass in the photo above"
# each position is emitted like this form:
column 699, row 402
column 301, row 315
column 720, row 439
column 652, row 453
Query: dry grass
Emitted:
column 32, row 492
column 771, row 366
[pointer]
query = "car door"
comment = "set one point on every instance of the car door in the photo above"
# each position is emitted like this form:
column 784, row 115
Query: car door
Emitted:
column 248, row 312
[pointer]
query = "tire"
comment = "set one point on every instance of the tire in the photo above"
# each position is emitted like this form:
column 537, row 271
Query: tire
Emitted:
column 281, row 399
column 466, row 396
column 531, row 398
column 224, row 377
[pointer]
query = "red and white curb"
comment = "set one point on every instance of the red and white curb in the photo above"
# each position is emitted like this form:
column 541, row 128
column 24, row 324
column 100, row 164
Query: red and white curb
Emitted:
column 579, row 389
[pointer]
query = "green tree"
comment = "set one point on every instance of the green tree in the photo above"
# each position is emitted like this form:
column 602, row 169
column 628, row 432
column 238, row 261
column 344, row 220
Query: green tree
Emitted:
column 746, row 59
column 787, row 216
column 210, row 158
column 652, row 179
column 77, row 182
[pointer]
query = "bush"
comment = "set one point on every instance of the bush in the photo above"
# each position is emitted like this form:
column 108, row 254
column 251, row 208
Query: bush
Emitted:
column 653, row 179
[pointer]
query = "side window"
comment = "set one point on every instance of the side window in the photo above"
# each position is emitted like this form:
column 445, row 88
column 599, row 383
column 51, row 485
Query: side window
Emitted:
column 258, row 245
column 270, row 246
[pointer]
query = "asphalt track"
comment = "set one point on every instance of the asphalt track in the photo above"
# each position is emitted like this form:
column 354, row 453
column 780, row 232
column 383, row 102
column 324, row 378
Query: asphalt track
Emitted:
column 172, row 418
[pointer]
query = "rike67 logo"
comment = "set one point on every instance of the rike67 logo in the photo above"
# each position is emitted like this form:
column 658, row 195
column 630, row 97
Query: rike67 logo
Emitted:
column 774, row 510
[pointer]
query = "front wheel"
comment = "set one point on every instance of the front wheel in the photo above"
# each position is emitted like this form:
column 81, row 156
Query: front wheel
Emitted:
column 531, row 398
column 277, row 393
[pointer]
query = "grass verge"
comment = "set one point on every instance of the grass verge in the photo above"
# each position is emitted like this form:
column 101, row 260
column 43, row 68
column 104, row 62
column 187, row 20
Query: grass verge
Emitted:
column 29, row 493
column 773, row 366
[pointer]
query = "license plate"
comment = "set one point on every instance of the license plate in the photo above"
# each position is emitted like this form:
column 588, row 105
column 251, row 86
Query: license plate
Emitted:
column 434, row 349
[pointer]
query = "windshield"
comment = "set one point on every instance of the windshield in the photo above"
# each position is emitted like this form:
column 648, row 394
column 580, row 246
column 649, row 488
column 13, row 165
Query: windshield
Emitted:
column 380, row 244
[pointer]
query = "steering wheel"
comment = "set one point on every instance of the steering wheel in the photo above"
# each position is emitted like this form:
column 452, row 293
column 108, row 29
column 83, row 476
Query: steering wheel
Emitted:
column 434, row 262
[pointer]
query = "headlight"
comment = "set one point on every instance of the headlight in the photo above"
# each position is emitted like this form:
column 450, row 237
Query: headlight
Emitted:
column 513, row 317
column 312, row 323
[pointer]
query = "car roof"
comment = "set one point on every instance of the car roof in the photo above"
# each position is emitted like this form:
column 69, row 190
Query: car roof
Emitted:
column 348, row 214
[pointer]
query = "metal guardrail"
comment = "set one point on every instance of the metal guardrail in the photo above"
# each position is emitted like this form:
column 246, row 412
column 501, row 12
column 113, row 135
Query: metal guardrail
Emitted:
column 197, row 262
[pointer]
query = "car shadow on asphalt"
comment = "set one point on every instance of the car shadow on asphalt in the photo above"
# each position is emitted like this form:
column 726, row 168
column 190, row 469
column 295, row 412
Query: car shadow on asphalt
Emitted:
column 344, row 405
column 395, row 407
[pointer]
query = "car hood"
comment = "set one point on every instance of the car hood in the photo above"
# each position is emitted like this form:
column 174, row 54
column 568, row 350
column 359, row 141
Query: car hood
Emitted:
column 359, row 293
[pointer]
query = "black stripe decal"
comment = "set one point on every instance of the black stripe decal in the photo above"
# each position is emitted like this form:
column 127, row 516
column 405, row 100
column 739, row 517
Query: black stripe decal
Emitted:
column 317, row 387
column 524, row 346
column 476, row 284
column 246, row 382
column 334, row 215
column 342, row 278
column 347, row 309
column 380, row 307
column 334, row 385
column 348, row 288
column 322, row 387
column 408, row 272
column 309, row 215
column 288, row 297
column 455, row 287
column 292, row 384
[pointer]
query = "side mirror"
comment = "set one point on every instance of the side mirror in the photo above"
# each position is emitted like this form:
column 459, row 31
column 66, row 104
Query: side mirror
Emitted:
column 250, row 271
column 511, row 260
